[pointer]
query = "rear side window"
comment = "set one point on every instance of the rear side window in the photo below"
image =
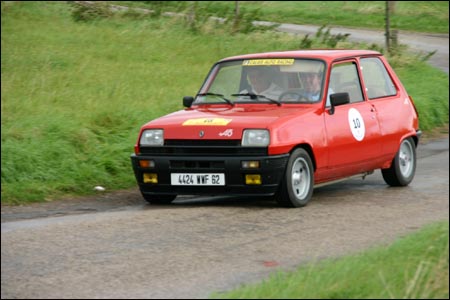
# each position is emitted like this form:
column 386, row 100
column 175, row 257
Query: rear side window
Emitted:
column 376, row 78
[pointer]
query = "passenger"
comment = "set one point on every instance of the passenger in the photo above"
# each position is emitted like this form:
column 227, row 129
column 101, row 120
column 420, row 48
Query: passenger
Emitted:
column 312, row 83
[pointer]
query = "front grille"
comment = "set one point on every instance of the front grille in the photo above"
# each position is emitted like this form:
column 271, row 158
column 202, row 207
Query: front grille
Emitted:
column 204, row 148
column 191, row 164
column 203, row 143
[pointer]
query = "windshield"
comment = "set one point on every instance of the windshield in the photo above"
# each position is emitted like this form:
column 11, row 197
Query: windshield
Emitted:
column 283, row 80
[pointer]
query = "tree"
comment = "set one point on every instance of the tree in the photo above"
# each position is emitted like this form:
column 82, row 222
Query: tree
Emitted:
column 391, row 36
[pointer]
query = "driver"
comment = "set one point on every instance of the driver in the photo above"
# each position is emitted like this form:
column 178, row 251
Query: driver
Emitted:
column 261, row 83
column 312, row 84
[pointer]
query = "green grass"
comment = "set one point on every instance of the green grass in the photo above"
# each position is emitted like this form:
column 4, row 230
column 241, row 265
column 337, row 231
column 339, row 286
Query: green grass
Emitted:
column 74, row 94
column 420, row 16
column 427, row 86
column 414, row 267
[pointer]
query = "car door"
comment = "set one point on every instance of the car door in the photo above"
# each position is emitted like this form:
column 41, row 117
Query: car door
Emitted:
column 353, row 132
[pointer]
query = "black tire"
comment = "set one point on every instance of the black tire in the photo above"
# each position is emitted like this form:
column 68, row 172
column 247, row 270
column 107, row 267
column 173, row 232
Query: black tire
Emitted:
column 297, row 186
column 159, row 199
column 403, row 167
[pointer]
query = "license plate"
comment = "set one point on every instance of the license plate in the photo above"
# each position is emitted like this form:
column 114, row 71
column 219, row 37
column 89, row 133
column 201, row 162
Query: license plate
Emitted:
column 197, row 179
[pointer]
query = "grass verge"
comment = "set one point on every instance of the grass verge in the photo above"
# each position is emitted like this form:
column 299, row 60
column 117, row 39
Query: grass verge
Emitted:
column 413, row 267
column 419, row 16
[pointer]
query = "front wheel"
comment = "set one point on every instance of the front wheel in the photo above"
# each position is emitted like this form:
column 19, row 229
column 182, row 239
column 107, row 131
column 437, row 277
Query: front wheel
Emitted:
column 403, row 167
column 297, row 186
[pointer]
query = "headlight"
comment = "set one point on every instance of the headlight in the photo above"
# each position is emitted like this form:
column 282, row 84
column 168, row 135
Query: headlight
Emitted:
column 255, row 138
column 152, row 137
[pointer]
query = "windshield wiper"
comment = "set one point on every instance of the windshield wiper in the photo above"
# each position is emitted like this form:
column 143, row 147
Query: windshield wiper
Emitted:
column 255, row 96
column 218, row 95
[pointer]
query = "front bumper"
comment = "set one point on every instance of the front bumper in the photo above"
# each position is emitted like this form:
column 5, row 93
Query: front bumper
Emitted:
column 271, row 169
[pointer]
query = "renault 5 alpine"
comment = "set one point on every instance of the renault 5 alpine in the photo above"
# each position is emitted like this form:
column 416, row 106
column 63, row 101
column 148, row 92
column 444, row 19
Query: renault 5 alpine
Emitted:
column 280, row 124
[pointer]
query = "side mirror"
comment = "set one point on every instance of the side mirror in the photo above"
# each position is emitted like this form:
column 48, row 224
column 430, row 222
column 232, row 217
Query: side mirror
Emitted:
column 338, row 99
column 187, row 101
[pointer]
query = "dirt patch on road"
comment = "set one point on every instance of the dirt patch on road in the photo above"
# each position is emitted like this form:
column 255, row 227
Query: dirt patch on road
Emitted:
column 76, row 205
column 435, row 134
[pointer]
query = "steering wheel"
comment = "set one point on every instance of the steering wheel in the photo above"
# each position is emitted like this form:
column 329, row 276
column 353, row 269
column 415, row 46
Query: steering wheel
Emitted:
column 293, row 95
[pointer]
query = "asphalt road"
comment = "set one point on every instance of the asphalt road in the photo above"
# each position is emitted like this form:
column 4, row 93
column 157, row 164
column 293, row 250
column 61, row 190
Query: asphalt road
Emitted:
column 417, row 42
column 201, row 245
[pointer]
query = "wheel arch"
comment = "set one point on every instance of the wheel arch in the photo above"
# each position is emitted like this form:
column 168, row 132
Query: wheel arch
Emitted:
column 307, row 148
column 415, row 139
column 415, row 136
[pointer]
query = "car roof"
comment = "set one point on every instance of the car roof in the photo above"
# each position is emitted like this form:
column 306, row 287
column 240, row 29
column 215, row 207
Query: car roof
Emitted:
column 327, row 55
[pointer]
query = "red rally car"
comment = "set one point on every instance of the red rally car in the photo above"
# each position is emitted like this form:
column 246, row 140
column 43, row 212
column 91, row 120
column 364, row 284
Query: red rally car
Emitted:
column 279, row 124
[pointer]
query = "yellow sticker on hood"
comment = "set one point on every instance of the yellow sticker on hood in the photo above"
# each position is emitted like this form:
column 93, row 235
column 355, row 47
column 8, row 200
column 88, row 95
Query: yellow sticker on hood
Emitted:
column 207, row 122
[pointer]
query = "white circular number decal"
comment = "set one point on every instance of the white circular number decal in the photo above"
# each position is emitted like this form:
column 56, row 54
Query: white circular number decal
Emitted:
column 356, row 123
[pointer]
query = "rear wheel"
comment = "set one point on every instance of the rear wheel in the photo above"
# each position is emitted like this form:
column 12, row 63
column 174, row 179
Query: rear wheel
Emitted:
column 297, row 186
column 403, row 167
column 159, row 199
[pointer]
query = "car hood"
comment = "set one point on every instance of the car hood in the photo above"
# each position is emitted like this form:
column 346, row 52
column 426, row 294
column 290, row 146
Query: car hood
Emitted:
column 213, row 122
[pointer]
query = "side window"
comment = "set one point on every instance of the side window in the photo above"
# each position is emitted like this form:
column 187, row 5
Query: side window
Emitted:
column 344, row 79
column 376, row 78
